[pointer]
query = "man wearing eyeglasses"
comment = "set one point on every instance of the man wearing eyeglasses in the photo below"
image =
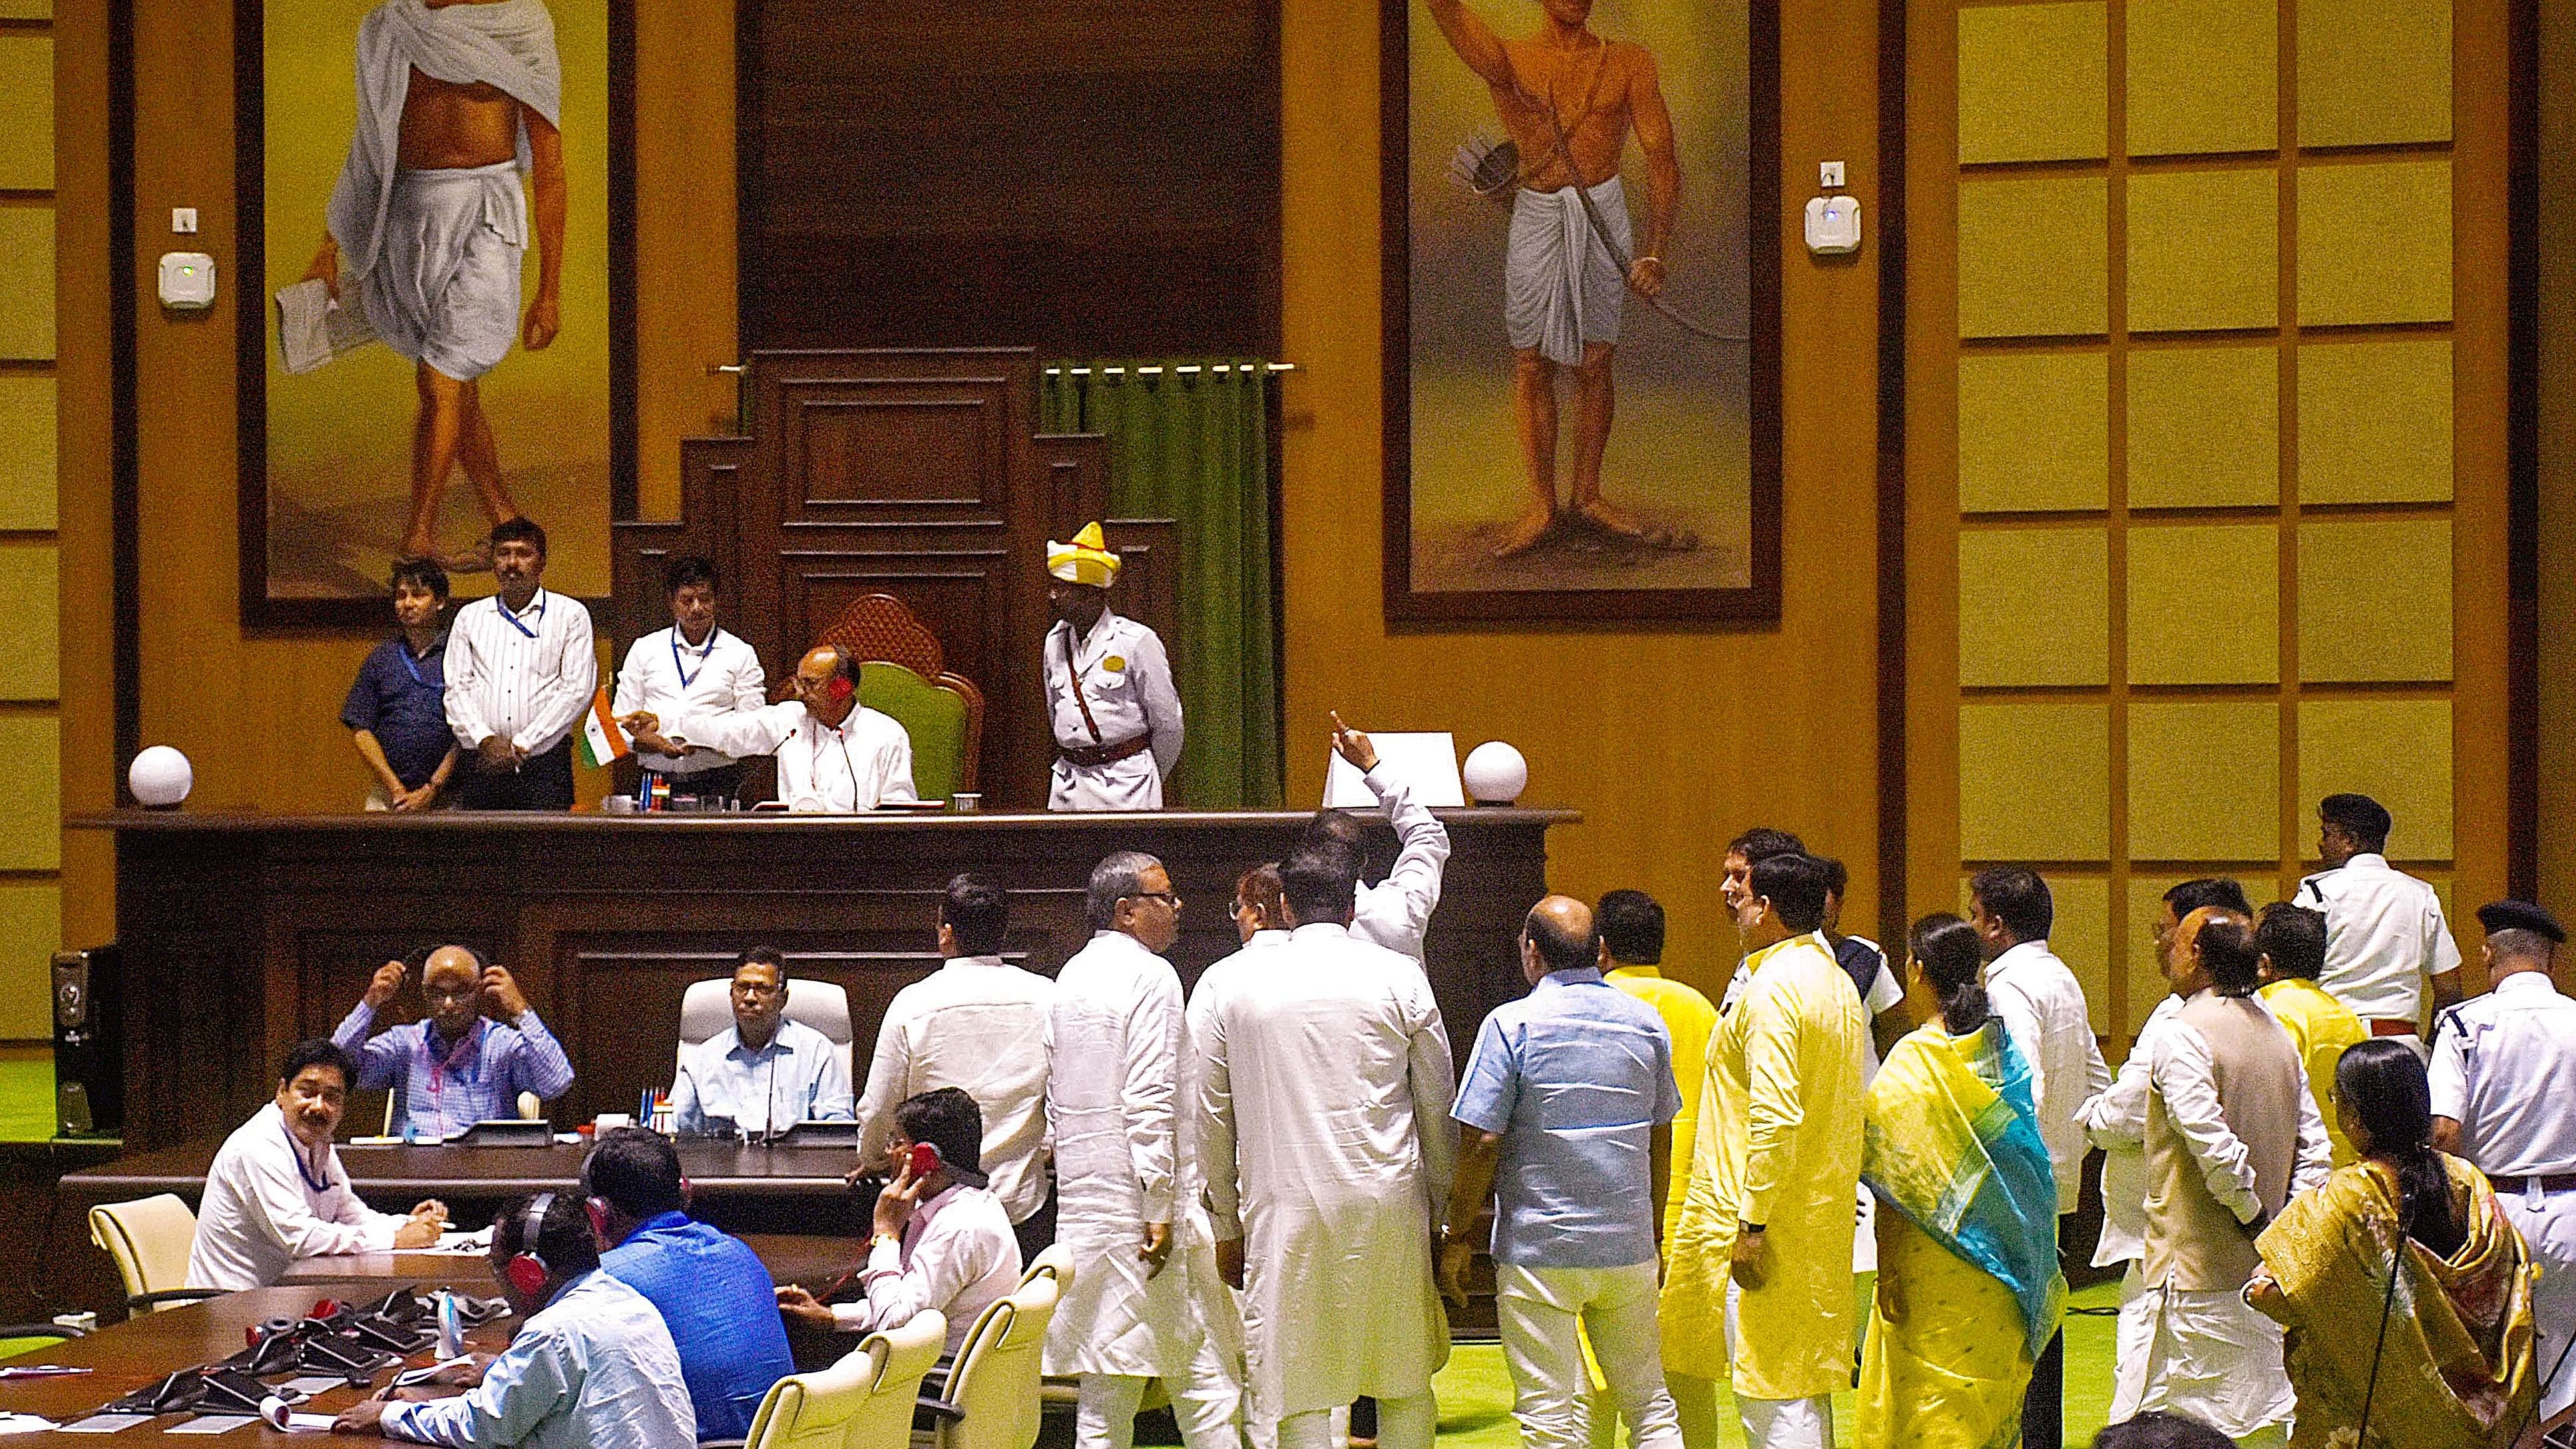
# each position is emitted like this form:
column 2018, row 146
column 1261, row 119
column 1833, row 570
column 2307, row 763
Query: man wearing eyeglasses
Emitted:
column 458, row 1067
column 1114, row 1038
column 764, row 1073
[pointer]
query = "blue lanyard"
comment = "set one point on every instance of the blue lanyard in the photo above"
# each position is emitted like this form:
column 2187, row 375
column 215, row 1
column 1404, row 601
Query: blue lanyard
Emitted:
column 402, row 647
column 709, row 652
column 504, row 610
column 297, row 1150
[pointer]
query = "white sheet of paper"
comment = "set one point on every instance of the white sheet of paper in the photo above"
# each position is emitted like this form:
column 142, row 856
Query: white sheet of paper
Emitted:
column 16, row 1423
column 212, row 1424
column 1428, row 761
column 312, row 1384
column 106, row 1423
column 279, row 1416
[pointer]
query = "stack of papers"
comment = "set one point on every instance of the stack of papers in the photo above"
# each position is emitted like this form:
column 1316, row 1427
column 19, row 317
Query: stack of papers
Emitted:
column 313, row 329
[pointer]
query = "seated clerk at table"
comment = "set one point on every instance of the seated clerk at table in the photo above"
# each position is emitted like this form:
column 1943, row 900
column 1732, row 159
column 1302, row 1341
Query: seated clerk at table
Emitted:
column 713, row 1294
column 694, row 665
column 835, row 755
column 942, row 1239
column 763, row 1071
column 277, row 1192
column 977, row 1023
column 457, row 1067
column 591, row 1364
column 397, row 710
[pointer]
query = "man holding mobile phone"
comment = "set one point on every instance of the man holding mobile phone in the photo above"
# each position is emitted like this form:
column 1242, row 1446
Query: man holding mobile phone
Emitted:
column 942, row 1239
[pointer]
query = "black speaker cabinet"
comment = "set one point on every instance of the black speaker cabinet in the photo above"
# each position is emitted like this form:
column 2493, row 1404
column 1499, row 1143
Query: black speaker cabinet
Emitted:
column 89, row 1042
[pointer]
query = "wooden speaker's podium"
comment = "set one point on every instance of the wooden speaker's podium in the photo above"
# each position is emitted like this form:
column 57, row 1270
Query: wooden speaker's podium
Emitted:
column 916, row 472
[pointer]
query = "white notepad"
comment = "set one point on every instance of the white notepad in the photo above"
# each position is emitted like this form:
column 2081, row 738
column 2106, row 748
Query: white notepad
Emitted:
column 106, row 1423
column 212, row 1424
column 312, row 329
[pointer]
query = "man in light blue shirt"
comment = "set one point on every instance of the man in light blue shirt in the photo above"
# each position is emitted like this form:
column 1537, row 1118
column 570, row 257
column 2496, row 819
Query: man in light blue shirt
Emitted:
column 763, row 1071
column 458, row 1067
column 713, row 1292
column 1567, row 1103
column 591, row 1366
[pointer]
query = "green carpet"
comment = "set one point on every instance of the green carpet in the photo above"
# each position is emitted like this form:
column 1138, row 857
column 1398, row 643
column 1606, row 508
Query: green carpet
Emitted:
column 27, row 1099
column 1475, row 1391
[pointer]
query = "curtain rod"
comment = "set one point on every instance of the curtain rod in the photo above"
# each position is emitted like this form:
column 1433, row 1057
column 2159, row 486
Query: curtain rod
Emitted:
column 1149, row 369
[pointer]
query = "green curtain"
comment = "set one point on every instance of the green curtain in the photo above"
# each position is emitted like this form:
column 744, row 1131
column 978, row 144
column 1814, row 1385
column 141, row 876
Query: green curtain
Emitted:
column 1194, row 446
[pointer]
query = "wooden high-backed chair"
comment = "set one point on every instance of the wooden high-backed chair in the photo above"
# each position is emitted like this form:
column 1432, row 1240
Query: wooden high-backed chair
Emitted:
column 902, row 674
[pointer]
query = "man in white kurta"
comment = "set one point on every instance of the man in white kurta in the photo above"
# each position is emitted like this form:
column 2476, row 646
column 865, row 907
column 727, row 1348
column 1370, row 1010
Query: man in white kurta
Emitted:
column 1113, row 1072
column 277, row 1192
column 1110, row 697
column 457, row 104
column 835, row 755
column 1394, row 912
column 1324, row 1088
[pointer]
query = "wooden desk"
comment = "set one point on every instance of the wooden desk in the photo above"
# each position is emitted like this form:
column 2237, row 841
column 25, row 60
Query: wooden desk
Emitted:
column 243, row 933
column 130, row 1355
column 741, row 1189
column 805, row 1258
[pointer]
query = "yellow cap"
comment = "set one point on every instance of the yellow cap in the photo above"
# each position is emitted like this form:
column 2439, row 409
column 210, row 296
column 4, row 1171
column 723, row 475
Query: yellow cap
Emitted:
column 1086, row 560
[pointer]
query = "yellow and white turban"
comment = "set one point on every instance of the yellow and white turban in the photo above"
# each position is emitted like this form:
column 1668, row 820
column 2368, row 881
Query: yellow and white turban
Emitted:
column 1086, row 560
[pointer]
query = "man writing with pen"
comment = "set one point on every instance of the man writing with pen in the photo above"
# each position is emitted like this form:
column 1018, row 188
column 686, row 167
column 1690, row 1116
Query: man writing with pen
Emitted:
column 764, row 1072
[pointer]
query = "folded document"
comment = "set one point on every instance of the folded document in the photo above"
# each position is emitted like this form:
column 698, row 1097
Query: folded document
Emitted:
column 313, row 328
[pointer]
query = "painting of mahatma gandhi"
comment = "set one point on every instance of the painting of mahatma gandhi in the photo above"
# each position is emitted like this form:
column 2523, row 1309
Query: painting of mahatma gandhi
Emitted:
column 433, row 182
column 1582, row 331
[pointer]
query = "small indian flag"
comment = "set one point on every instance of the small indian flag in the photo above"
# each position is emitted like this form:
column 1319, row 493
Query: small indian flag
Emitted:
column 601, row 739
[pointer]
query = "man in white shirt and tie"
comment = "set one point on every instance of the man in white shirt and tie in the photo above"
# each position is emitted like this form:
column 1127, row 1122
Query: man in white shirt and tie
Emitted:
column 277, row 1192
column 764, row 1073
column 2044, row 1010
column 1395, row 912
column 1110, row 696
column 691, row 667
column 520, row 672
column 835, row 755
column 2385, row 937
column 979, row 1024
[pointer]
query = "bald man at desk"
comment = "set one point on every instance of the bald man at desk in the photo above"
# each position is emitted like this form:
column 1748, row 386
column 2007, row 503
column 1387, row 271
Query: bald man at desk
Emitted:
column 835, row 755
column 458, row 1067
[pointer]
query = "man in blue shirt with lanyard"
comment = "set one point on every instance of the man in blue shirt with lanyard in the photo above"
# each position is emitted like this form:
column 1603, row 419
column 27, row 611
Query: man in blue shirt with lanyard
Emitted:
column 456, row 1068
column 397, row 711
column 715, row 1296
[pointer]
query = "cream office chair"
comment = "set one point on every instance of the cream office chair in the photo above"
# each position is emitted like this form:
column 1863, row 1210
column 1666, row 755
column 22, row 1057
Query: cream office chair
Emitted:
column 862, row 1402
column 149, row 1239
column 990, row 1397
column 707, row 1008
column 1055, row 1263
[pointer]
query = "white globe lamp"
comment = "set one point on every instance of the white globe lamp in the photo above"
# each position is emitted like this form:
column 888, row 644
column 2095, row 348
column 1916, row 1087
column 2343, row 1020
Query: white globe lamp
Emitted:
column 1495, row 773
column 160, row 778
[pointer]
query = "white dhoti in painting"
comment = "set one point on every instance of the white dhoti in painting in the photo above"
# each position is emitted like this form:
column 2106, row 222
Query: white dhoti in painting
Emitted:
column 1561, row 287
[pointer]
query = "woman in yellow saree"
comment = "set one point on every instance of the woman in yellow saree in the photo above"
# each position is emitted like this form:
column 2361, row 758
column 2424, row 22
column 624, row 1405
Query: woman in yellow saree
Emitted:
column 1968, row 1287
column 2440, row 1357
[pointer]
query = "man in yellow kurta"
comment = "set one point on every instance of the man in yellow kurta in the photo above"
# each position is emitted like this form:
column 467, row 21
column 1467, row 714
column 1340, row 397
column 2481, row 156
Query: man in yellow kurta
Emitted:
column 1632, row 950
column 2292, row 943
column 1760, row 1283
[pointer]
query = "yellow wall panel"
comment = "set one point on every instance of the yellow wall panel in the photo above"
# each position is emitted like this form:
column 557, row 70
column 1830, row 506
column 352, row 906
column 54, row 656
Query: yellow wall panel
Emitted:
column 2204, row 426
column 2375, row 600
column 2374, row 71
column 2204, row 779
column 26, row 9
column 26, row 282
column 2035, row 781
column 31, row 930
column 28, row 602
column 2203, row 76
column 26, row 112
column 2080, row 935
column 2034, row 606
column 2375, row 243
column 2205, row 604
column 26, row 452
column 2375, row 421
column 2203, row 250
column 2034, row 431
column 2034, row 82
column 31, row 829
column 2034, row 256
column 2396, row 751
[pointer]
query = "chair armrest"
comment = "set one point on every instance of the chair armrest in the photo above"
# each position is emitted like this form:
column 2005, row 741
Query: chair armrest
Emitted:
column 173, row 1295
column 939, row 1407
column 41, row 1330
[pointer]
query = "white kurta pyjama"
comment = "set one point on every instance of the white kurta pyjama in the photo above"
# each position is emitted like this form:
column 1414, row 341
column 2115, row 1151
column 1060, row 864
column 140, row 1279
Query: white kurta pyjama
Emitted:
column 1324, row 1089
column 1126, row 683
column 855, row 765
column 1561, row 287
column 435, row 255
column 1396, row 911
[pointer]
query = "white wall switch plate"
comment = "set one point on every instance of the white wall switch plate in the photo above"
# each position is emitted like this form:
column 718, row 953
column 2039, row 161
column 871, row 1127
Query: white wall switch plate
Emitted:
column 183, row 221
column 1829, row 174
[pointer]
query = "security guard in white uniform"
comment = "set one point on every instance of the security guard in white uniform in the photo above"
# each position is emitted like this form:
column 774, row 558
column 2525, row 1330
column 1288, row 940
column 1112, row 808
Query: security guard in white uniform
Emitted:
column 2504, row 1071
column 1117, row 717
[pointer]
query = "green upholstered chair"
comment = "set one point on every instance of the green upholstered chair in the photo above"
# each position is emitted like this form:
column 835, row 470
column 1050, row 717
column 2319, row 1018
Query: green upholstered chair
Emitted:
column 945, row 720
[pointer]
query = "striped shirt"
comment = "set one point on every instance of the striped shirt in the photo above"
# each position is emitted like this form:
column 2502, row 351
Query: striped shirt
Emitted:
column 444, row 1088
column 526, row 677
